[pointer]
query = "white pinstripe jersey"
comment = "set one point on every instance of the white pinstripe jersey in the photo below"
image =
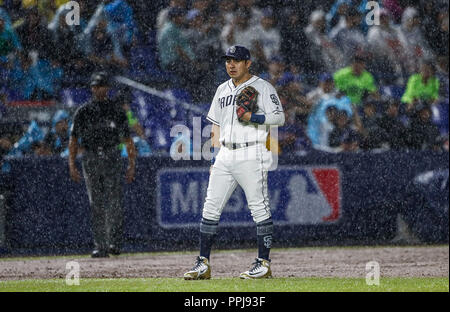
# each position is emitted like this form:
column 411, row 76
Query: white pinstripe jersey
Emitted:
column 223, row 112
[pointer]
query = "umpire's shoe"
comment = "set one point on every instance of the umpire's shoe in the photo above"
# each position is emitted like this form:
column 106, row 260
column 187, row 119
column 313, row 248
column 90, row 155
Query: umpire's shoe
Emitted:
column 201, row 270
column 99, row 253
column 114, row 250
column 261, row 269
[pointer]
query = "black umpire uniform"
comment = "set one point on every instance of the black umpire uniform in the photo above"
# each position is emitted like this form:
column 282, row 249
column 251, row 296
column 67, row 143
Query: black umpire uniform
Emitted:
column 99, row 127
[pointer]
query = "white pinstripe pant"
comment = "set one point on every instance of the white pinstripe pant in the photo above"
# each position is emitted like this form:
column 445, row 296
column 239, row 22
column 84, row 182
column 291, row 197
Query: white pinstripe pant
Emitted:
column 244, row 166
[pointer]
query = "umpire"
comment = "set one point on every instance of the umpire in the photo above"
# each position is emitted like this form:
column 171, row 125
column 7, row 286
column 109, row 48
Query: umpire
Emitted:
column 99, row 127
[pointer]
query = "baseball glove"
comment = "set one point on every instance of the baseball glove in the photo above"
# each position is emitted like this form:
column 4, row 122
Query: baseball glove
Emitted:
column 246, row 102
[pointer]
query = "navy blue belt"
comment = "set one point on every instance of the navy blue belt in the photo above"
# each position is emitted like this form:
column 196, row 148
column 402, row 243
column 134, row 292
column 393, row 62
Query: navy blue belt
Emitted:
column 234, row 146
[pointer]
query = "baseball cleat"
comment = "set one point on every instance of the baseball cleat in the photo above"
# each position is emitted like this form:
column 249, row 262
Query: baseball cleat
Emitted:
column 261, row 269
column 200, row 271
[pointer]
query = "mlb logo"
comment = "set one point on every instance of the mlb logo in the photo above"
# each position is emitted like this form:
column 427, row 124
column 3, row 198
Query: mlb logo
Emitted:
column 314, row 195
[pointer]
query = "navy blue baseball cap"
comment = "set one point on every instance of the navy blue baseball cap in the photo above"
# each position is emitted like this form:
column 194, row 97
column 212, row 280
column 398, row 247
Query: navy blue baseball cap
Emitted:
column 238, row 53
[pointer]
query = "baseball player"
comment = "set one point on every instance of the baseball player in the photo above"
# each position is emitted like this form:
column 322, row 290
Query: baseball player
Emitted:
column 242, row 111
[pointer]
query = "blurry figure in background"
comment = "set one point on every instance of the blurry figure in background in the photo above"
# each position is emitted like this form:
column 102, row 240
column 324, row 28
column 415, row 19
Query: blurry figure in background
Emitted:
column 68, row 38
column 322, row 51
column 294, row 42
column 350, row 39
column 335, row 18
column 422, row 86
column 34, row 35
column 354, row 81
column 395, row 130
column 163, row 15
column 205, row 45
column 443, row 77
column 318, row 119
column 104, row 51
column 343, row 137
column 57, row 139
column 388, row 53
column 256, row 13
column 9, row 42
column 324, row 90
column 422, row 133
column 174, row 50
column 372, row 134
column 269, row 37
column 413, row 40
column 395, row 9
column 36, row 79
column 33, row 134
column 121, row 23
column 225, row 15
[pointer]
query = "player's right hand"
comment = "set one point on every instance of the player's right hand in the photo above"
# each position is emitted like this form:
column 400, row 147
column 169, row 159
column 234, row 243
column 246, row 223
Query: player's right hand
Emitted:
column 75, row 174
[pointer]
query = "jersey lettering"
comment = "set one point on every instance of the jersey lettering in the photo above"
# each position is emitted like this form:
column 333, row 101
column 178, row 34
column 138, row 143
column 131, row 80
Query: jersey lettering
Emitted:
column 227, row 101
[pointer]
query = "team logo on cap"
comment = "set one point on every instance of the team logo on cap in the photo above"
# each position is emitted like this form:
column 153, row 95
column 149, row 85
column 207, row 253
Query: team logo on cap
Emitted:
column 232, row 49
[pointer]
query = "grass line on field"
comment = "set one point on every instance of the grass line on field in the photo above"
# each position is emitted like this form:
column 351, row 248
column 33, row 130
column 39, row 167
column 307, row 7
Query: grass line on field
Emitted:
column 229, row 285
column 195, row 252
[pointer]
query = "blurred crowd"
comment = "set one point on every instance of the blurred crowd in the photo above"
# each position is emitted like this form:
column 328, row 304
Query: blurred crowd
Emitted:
column 350, row 78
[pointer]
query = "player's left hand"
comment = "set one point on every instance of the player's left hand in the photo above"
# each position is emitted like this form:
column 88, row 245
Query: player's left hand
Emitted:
column 246, row 116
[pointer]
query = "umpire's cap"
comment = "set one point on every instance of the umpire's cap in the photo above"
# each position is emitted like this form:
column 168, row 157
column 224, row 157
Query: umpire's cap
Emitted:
column 100, row 80
column 238, row 53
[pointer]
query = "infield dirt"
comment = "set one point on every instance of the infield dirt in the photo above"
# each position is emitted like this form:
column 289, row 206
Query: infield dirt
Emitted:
column 427, row 261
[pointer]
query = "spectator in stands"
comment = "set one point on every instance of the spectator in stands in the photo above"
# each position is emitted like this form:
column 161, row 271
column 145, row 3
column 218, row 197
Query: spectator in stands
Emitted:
column 242, row 32
column 387, row 51
column 5, row 17
column 413, row 39
column 225, row 15
column 394, row 129
column 318, row 116
column 422, row 133
column 256, row 13
column 268, row 34
column 104, row 51
column 371, row 133
column 442, row 75
column 354, row 80
column 204, row 42
column 163, row 15
column 34, row 35
column 350, row 39
column 174, row 50
column 121, row 22
column 294, row 43
column 422, row 86
column 67, row 38
column 9, row 42
column 343, row 137
column 57, row 139
column 322, row 51
column 324, row 90
column 395, row 9
column 36, row 79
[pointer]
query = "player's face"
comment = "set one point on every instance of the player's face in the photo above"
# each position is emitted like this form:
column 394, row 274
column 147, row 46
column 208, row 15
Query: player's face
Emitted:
column 237, row 69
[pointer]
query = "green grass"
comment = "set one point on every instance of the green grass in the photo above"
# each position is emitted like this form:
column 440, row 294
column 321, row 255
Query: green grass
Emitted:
column 230, row 285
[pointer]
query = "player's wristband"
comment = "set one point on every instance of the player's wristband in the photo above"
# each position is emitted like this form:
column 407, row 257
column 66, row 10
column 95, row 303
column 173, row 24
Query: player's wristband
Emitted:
column 259, row 119
column 214, row 151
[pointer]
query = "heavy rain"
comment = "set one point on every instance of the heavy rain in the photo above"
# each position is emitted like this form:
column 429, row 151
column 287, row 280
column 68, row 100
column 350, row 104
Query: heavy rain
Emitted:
column 122, row 131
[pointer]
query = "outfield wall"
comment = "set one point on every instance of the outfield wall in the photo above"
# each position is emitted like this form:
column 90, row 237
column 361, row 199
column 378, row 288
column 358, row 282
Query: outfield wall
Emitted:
column 317, row 199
